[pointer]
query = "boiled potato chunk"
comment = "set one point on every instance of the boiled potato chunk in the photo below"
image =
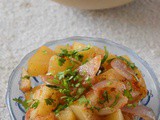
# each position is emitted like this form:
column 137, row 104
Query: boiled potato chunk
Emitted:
column 60, row 47
column 38, row 63
column 43, row 110
column 115, row 116
column 87, row 54
column 42, row 94
column 54, row 67
column 82, row 113
column 78, row 46
column 31, row 115
column 45, row 92
column 29, row 94
column 98, row 51
column 25, row 83
column 66, row 114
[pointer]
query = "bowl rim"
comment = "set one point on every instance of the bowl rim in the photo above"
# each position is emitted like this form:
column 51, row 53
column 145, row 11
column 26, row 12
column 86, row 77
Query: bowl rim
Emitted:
column 95, row 39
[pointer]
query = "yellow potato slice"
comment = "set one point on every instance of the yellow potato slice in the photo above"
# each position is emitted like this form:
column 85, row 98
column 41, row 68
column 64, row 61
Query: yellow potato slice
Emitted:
column 82, row 113
column 38, row 63
column 87, row 54
column 66, row 114
column 54, row 67
column 42, row 94
column 29, row 94
column 115, row 116
column 25, row 83
column 60, row 47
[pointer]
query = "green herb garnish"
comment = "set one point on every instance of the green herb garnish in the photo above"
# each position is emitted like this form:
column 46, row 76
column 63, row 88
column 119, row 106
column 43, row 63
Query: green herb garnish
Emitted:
column 35, row 104
column 131, row 105
column 83, row 100
column 105, row 96
column 130, row 64
column 74, row 54
column 92, row 108
column 26, row 77
column 44, row 52
column 59, row 108
column 128, row 94
column 61, row 61
column 105, row 56
column 23, row 103
column 49, row 101
column 115, row 101
column 53, row 86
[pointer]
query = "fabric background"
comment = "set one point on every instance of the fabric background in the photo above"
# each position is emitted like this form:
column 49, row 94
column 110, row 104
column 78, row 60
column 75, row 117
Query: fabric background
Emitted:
column 27, row 24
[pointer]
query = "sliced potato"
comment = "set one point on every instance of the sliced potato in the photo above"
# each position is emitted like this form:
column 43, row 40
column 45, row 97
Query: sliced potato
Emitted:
column 60, row 47
column 38, row 63
column 29, row 94
column 98, row 51
column 82, row 113
column 25, row 83
column 45, row 92
column 54, row 67
column 115, row 116
column 30, row 115
column 87, row 54
column 78, row 46
column 66, row 114
column 43, row 108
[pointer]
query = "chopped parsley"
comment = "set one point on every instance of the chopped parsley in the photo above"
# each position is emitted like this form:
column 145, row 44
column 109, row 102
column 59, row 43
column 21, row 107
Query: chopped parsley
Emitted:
column 128, row 94
column 56, row 81
column 132, row 105
column 135, row 76
column 23, row 103
column 44, row 52
column 130, row 64
column 61, row 61
column 49, row 101
column 59, row 108
column 105, row 56
column 83, row 100
column 115, row 101
column 34, row 103
column 110, row 60
column 53, row 86
column 73, row 55
column 70, row 85
column 105, row 97
column 26, row 77
column 92, row 108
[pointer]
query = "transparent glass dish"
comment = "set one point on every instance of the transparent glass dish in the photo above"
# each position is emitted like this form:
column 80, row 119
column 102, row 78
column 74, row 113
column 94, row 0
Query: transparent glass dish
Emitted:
column 152, row 100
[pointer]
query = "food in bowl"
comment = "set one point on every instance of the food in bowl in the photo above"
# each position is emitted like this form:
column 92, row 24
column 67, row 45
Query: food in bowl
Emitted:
column 82, row 82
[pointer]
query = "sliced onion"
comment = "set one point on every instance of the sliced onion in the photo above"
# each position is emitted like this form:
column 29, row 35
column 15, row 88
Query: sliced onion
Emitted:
column 122, row 69
column 110, row 84
column 107, row 110
column 91, row 68
column 141, row 111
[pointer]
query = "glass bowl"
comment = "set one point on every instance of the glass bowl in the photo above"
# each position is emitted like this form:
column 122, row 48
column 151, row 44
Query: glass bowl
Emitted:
column 93, row 4
column 152, row 100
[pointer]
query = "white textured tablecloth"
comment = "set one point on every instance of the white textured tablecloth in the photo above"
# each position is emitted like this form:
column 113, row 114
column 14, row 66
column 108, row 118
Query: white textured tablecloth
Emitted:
column 27, row 24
